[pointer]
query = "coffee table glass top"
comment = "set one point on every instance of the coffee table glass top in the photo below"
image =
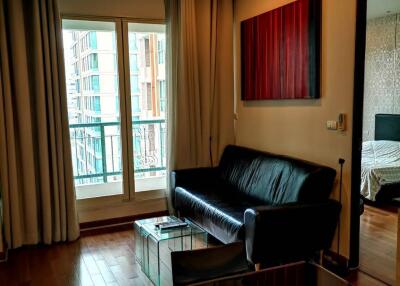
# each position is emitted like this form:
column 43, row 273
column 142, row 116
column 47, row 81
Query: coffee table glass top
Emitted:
column 159, row 235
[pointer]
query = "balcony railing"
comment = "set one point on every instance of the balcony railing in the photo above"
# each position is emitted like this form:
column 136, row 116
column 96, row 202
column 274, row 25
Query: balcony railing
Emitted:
column 96, row 150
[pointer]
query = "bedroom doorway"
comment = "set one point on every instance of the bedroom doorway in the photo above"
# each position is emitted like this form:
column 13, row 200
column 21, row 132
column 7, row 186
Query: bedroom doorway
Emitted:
column 376, row 140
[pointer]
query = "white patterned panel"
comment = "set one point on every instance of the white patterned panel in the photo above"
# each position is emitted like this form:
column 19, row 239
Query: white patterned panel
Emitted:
column 382, row 71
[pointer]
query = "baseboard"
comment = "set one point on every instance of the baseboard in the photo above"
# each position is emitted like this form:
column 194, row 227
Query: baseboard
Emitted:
column 380, row 205
column 106, row 229
column 4, row 253
column 3, row 256
column 336, row 263
column 117, row 222
column 94, row 211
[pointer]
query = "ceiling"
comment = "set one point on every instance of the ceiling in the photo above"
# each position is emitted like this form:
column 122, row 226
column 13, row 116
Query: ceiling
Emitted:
column 380, row 8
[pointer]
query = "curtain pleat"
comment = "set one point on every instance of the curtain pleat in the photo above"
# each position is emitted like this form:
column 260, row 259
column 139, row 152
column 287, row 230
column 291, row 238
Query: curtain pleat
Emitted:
column 36, row 174
column 200, row 81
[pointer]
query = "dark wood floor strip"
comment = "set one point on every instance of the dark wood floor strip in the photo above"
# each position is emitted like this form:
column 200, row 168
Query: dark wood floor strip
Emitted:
column 378, row 244
column 107, row 258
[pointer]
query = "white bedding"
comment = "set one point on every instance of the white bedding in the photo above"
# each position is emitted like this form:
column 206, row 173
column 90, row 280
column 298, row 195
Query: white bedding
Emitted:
column 380, row 164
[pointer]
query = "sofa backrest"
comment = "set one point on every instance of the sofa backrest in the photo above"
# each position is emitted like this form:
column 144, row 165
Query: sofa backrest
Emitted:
column 274, row 179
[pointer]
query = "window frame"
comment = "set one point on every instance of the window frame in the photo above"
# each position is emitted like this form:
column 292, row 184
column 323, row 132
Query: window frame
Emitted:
column 101, row 207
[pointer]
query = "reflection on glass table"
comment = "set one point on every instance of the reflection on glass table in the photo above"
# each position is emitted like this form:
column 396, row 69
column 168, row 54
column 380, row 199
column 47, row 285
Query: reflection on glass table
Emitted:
column 153, row 246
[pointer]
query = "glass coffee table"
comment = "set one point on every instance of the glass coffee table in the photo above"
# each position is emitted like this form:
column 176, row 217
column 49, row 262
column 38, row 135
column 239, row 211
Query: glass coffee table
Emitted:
column 153, row 246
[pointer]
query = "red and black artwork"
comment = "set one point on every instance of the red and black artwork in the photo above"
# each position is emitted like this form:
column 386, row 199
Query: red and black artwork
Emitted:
column 281, row 53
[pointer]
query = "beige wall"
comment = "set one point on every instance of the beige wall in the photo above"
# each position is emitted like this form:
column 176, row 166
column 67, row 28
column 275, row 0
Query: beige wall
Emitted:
column 297, row 128
column 140, row 9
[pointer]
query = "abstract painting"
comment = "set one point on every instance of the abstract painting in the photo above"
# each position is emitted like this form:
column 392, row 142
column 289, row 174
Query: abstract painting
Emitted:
column 280, row 53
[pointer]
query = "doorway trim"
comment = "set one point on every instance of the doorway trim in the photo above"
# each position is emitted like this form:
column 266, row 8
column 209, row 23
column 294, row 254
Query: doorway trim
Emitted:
column 358, row 104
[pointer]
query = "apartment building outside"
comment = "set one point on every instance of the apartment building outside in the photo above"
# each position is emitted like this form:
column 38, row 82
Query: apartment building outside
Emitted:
column 94, row 104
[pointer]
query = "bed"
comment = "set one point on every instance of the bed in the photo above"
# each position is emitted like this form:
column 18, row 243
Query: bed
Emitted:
column 380, row 163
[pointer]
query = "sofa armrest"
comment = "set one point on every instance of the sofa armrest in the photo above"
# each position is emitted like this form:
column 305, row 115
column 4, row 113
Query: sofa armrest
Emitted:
column 196, row 177
column 290, row 231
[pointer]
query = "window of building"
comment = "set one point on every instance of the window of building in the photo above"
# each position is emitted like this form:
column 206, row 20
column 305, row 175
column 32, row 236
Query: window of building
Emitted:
column 147, row 51
column 84, row 66
column 93, row 61
column 135, row 103
column 133, row 61
column 135, row 84
column 161, row 88
column 92, row 40
column 76, row 68
column 96, row 104
column 95, row 83
column 148, row 93
column 83, row 44
column 132, row 42
column 161, row 51
column 75, row 50
column 78, row 86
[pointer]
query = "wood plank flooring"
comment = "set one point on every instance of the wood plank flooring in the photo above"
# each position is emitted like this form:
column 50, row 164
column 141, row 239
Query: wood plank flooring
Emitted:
column 105, row 259
column 378, row 244
column 96, row 259
column 358, row 278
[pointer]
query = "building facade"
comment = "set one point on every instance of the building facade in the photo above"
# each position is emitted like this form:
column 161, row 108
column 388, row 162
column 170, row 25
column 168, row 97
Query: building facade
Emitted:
column 94, row 105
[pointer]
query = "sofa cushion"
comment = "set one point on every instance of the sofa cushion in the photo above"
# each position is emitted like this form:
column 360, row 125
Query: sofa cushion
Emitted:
column 274, row 179
column 218, row 211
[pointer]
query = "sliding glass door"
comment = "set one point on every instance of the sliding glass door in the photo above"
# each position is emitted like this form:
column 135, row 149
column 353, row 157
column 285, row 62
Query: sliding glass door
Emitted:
column 148, row 101
column 115, row 77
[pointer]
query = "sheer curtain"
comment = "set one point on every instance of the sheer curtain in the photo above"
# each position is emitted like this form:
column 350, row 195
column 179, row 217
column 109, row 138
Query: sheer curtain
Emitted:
column 200, row 81
column 36, row 175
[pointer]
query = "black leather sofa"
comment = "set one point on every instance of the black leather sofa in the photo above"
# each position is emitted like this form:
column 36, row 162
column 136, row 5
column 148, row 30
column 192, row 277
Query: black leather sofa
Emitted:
column 278, row 205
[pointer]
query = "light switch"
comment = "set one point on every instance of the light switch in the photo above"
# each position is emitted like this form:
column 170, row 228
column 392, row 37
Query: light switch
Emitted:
column 331, row 125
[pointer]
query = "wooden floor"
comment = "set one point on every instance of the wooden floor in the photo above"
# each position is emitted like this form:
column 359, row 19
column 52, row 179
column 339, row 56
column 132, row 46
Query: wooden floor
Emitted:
column 378, row 243
column 358, row 278
column 98, row 259
column 105, row 259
